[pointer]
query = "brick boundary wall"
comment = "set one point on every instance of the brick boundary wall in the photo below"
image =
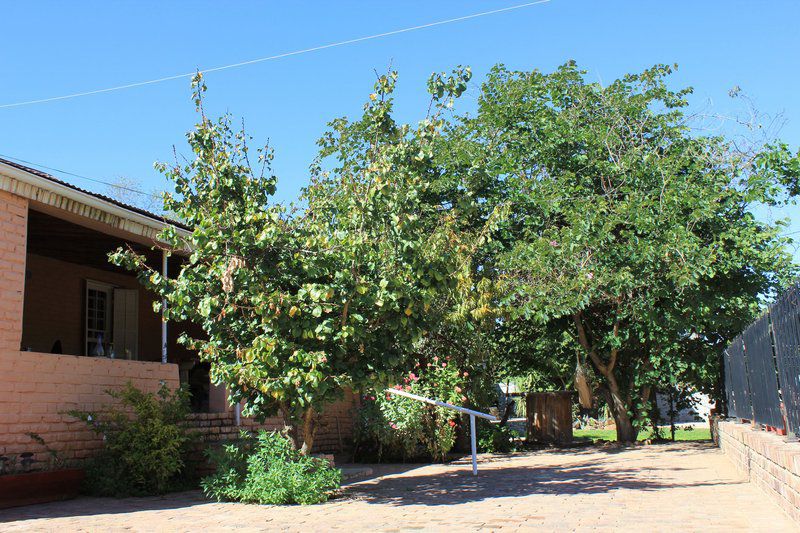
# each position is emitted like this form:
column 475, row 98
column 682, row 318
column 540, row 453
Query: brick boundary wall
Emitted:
column 769, row 461
column 36, row 389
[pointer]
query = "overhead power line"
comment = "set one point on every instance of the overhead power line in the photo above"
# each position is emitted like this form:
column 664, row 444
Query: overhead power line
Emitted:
column 277, row 56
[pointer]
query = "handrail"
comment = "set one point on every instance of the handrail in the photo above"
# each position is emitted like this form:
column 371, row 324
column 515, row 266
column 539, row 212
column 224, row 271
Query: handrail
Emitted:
column 472, row 414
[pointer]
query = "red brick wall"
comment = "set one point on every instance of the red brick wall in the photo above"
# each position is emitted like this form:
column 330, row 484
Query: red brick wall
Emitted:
column 334, row 432
column 770, row 461
column 13, row 236
column 37, row 388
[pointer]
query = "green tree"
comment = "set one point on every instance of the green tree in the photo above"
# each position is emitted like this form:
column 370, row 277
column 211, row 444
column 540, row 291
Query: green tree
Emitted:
column 298, row 304
column 621, row 228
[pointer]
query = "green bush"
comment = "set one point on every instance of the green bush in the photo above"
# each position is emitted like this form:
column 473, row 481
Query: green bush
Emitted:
column 145, row 443
column 391, row 427
column 493, row 438
column 267, row 469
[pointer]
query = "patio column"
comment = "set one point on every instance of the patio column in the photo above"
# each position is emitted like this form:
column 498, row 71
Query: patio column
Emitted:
column 164, row 256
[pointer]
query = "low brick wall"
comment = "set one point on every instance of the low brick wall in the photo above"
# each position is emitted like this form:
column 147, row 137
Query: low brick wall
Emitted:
column 37, row 388
column 334, row 432
column 770, row 462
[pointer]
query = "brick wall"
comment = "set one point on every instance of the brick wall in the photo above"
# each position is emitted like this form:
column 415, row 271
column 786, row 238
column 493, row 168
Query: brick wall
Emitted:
column 334, row 432
column 37, row 388
column 770, row 461
column 13, row 236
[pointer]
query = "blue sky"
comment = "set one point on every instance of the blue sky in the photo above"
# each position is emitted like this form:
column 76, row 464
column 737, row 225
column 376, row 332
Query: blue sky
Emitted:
column 55, row 48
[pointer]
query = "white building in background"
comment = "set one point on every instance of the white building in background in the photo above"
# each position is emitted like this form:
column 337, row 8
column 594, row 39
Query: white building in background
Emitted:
column 699, row 412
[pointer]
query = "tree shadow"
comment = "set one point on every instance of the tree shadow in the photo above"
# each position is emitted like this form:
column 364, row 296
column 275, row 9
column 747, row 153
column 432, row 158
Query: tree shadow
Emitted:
column 443, row 485
column 457, row 485
column 90, row 506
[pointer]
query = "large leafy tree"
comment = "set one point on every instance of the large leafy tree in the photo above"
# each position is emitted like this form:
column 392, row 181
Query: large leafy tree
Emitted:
column 298, row 304
column 623, row 234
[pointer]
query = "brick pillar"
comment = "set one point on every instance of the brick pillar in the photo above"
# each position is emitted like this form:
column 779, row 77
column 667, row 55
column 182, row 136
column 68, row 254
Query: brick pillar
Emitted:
column 13, row 239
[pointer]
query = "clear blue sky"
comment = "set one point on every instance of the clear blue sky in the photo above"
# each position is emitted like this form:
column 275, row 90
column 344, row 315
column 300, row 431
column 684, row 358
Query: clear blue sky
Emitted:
column 55, row 48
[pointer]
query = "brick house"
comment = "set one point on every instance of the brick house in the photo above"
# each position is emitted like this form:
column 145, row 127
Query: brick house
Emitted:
column 73, row 326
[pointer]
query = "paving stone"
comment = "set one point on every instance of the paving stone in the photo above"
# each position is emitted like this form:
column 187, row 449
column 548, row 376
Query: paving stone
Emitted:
column 683, row 486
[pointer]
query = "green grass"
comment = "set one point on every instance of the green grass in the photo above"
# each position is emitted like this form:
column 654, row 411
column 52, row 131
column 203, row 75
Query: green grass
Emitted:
column 682, row 434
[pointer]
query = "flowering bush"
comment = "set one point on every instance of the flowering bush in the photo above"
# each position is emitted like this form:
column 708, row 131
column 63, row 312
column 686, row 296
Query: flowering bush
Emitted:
column 394, row 425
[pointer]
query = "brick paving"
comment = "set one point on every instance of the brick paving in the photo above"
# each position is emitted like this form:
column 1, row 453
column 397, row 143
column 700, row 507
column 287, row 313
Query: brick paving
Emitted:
column 682, row 486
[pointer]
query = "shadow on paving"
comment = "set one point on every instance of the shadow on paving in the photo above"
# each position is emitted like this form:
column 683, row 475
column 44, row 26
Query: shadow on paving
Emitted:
column 459, row 486
column 402, row 486
column 85, row 506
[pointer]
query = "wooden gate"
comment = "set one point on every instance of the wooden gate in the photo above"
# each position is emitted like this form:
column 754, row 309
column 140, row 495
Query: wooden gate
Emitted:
column 549, row 416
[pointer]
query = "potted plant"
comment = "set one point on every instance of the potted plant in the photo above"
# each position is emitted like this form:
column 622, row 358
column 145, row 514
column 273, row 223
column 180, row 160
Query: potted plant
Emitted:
column 24, row 480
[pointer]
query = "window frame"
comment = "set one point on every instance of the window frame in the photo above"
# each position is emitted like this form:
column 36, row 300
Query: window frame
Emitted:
column 108, row 331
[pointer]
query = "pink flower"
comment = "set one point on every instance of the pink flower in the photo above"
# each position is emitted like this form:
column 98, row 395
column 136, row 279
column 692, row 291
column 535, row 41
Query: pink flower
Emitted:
column 590, row 275
column 553, row 243
column 393, row 425
column 466, row 374
column 458, row 389
column 463, row 398
column 435, row 358
column 444, row 365
column 452, row 423
column 413, row 376
column 407, row 387
column 398, row 387
column 429, row 365
column 323, row 359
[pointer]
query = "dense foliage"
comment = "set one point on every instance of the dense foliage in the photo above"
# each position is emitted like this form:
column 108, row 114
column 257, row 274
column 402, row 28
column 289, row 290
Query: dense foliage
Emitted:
column 627, row 242
column 391, row 426
column 565, row 224
column 296, row 305
column 145, row 445
column 268, row 469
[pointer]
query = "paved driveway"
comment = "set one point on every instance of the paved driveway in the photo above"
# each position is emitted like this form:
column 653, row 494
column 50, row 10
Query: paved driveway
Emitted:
column 675, row 487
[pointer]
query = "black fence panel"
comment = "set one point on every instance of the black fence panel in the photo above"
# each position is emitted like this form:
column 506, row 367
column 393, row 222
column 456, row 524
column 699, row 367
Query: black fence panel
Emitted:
column 762, row 374
column 785, row 314
column 737, row 388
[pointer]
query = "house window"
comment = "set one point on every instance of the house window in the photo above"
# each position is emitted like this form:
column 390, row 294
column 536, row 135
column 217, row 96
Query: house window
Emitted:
column 98, row 317
column 112, row 325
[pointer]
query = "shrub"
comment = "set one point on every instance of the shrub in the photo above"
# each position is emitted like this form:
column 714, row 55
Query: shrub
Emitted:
column 493, row 438
column 392, row 424
column 145, row 444
column 267, row 469
column 379, row 439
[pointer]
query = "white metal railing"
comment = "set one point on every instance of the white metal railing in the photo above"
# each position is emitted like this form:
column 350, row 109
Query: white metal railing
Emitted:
column 472, row 414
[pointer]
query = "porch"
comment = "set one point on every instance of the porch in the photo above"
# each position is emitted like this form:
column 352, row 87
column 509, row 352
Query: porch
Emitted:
column 77, row 303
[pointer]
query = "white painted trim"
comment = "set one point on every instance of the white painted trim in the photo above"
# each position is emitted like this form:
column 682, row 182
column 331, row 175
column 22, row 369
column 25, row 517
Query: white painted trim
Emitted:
column 81, row 197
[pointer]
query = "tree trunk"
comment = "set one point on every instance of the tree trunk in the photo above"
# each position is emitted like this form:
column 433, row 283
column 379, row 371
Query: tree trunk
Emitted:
column 626, row 431
column 309, row 428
